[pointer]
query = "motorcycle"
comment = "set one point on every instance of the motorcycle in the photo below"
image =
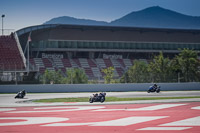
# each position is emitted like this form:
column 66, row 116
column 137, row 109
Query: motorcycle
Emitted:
column 21, row 94
column 154, row 89
column 101, row 97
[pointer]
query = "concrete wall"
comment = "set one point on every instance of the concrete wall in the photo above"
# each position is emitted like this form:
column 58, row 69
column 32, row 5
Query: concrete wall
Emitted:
column 97, row 87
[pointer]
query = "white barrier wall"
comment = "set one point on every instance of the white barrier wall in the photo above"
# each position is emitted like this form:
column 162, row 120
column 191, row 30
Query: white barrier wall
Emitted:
column 57, row 88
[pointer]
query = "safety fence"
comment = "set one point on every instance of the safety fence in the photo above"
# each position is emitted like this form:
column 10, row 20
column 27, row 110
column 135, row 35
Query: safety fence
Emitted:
column 61, row 88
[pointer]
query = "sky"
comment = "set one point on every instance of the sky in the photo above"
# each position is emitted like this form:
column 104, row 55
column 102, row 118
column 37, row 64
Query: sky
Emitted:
column 23, row 13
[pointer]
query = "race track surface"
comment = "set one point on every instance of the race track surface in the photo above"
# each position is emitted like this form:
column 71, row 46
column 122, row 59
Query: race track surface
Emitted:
column 7, row 100
column 127, row 118
column 149, row 116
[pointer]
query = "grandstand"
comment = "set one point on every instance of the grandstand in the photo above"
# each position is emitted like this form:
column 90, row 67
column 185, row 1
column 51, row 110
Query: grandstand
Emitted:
column 12, row 59
column 93, row 48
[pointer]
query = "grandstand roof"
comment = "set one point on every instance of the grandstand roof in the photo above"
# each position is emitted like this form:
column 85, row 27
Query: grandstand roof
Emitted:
column 108, row 33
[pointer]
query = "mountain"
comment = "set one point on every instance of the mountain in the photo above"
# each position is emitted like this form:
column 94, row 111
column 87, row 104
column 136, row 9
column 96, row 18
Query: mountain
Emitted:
column 152, row 17
column 159, row 18
column 71, row 20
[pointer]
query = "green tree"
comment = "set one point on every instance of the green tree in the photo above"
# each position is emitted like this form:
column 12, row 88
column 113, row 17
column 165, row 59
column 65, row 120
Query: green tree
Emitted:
column 54, row 77
column 47, row 77
column 58, row 77
column 109, row 74
column 125, row 78
column 187, row 64
column 160, row 69
column 138, row 73
column 76, row 76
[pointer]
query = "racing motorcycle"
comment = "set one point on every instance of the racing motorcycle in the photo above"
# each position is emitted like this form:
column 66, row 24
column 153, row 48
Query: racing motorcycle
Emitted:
column 21, row 94
column 154, row 89
column 101, row 97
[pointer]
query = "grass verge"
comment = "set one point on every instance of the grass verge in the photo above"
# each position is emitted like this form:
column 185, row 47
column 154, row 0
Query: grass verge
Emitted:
column 108, row 99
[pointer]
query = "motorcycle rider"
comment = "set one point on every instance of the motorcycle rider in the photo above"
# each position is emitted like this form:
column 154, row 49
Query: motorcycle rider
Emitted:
column 95, row 95
column 100, row 94
column 155, row 86
column 23, row 92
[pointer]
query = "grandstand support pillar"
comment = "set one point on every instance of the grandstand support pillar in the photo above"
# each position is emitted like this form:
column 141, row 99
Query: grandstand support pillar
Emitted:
column 91, row 55
column 71, row 77
column 28, row 58
column 178, row 77
column 99, row 78
column 28, row 51
column 2, row 22
column 15, row 77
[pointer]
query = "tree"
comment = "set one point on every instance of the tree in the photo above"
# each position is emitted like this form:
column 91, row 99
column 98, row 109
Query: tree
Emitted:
column 76, row 76
column 138, row 73
column 109, row 74
column 58, row 77
column 125, row 78
column 160, row 68
column 47, row 77
column 187, row 64
column 54, row 77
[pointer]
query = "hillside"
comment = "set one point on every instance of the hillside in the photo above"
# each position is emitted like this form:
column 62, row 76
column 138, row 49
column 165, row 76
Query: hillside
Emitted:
column 71, row 20
column 159, row 18
column 154, row 17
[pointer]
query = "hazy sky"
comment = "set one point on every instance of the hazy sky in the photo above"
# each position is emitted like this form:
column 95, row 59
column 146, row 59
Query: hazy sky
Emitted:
column 23, row 13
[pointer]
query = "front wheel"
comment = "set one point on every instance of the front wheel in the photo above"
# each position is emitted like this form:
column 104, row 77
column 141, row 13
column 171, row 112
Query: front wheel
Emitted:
column 91, row 100
column 158, row 90
column 21, row 96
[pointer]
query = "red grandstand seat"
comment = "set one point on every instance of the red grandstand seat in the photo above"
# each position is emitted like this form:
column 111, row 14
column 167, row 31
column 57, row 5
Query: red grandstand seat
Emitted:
column 66, row 63
column 89, row 72
column 108, row 62
column 47, row 63
column 121, row 62
column 91, row 63
column 11, row 58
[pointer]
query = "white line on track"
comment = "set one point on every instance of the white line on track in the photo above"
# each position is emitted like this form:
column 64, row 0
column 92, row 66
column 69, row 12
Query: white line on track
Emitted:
column 187, row 122
column 149, row 108
column 165, row 128
column 31, row 120
column 156, row 107
column 60, row 109
column 7, row 109
column 110, row 110
column 198, row 107
column 74, row 107
column 118, row 122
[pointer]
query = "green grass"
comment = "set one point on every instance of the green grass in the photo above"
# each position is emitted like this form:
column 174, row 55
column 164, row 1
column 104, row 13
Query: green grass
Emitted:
column 108, row 99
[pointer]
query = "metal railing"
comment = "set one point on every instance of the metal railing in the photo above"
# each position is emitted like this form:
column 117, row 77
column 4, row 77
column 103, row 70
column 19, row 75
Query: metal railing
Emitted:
column 6, row 31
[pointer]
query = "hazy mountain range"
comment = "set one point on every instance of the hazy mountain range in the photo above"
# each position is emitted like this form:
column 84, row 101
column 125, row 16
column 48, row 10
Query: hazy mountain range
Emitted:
column 152, row 17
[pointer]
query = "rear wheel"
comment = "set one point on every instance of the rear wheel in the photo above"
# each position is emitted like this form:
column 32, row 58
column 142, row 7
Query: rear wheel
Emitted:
column 102, row 99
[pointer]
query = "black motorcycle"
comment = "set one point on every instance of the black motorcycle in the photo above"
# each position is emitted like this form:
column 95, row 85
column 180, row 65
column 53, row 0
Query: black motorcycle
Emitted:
column 154, row 89
column 21, row 94
column 101, row 97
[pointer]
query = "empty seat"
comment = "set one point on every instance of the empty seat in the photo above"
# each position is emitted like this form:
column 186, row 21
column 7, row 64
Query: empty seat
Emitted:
column 10, row 57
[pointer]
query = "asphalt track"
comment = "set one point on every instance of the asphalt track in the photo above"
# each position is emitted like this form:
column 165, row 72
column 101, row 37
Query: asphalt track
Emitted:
column 166, row 116
column 7, row 100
